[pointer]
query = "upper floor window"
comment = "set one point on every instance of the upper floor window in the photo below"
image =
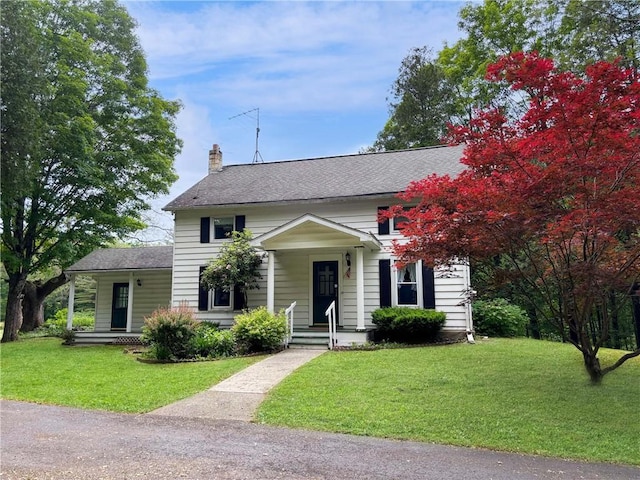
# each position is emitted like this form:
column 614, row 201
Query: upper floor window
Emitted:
column 399, row 220
column 222, row 227
column 385, row 227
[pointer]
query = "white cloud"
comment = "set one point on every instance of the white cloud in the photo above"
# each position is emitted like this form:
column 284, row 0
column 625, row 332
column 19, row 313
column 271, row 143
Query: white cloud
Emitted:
column 290, row 55
column 319, row 71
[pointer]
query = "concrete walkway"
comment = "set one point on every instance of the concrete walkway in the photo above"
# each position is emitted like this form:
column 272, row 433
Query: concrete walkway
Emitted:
column 238, row 397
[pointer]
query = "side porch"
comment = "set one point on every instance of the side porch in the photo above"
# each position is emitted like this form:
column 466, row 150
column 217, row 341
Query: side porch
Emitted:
column 130, row 284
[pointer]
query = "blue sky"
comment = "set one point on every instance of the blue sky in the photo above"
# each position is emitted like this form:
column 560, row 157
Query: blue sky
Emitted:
column 320, row 72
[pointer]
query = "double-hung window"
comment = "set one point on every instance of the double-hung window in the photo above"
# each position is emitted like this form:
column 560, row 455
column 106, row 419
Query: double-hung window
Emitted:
column 399, row 220
column 220, row 227
column 408, row 285
column 412, row 285
column 220, row 298
column 213, row 299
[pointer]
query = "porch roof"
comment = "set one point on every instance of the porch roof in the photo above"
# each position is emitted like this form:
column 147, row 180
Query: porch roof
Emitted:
column 125, row 259
column 311, row 231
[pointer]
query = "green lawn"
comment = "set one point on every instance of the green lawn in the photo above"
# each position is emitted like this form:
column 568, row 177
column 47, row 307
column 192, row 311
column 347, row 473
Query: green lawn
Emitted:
column 102, row 377
column 515, row 395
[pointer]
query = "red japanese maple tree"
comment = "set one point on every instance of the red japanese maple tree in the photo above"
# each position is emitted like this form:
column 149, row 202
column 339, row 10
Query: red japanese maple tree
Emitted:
column 555, row 193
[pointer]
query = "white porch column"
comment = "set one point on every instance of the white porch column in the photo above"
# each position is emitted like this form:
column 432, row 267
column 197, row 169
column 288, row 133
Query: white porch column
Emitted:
column 271, row 282
column 360, row 288
column 72, row 299
column 130, row 304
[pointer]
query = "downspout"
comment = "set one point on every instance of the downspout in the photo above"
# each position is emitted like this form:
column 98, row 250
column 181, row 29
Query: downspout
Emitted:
column 469, row 313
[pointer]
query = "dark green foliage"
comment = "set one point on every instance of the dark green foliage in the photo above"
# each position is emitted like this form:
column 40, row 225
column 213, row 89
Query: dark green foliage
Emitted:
column 421, row 105
column 170, row 333
column 85, row 141
column 408, row 325
column 499, row 318
column 259, row 330
column 211, row 342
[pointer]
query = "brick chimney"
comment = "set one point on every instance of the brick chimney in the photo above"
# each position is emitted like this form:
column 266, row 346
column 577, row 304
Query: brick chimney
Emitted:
column 215, row 159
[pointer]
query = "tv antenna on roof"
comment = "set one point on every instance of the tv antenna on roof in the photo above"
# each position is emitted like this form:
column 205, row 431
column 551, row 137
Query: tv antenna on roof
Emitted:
column 257, row 158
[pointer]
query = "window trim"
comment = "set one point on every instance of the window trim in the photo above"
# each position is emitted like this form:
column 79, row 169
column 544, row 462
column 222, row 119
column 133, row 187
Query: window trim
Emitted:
column 212, row 296
column 419, row 287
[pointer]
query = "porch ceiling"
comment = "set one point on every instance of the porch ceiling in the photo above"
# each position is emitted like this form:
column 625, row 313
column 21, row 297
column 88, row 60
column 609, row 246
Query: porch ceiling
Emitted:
column 311, row 231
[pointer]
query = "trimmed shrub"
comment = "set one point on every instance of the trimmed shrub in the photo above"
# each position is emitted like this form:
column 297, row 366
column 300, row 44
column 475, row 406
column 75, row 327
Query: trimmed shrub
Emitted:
column 170, row 332
column 408, row 325
column 259, row 330
column 211, row 342
column 499, row 318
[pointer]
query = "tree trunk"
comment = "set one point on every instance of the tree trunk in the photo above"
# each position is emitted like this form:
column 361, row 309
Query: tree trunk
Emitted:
column 35, row 294
column 615, row 322
column 592, row 364
column 32, row 308
column 635, row 302
column 13, row 314
column 534, row 324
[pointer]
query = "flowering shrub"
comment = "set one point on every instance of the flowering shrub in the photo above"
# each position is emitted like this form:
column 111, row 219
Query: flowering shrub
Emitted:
column 170, row 333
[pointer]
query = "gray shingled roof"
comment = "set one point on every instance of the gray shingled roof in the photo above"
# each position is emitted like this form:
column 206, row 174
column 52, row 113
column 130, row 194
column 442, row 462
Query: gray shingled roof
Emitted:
column 139, row 258
column 320, row 178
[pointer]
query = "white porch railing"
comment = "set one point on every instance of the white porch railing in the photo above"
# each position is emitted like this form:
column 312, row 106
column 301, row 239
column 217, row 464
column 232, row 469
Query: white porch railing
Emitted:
column 331, row 318
column 289, row 313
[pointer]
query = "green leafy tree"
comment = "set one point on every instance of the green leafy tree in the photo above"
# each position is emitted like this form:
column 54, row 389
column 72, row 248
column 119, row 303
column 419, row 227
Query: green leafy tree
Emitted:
column 422, row 104
column 598, row 30
column 85, row 141
column 237, row 264
column 429, row 93
column 574, row 33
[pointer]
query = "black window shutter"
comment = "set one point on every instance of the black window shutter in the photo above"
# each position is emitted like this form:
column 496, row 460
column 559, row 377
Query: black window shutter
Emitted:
column 383, row 228
column 203, row 293
column 428, row 288
column 205, row 229
column 238, row 298
column 385, row 282
column 239, row 223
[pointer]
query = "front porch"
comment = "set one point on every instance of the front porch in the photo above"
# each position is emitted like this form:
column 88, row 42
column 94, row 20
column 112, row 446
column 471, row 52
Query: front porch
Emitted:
column 315, row 263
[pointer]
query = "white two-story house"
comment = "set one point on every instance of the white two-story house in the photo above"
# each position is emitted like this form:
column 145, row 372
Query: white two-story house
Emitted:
column 316, row 220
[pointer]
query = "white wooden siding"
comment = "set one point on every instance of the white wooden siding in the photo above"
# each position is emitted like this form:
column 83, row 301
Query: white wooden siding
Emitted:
column 292, row 274
column 155, row 292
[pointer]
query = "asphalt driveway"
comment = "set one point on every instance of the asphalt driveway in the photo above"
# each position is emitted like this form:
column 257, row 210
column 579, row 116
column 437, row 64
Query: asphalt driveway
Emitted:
column 47, row 442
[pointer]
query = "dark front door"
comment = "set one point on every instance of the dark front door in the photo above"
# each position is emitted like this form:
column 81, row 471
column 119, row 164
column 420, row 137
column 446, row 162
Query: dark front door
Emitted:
column 119, row 306
column 325, row 289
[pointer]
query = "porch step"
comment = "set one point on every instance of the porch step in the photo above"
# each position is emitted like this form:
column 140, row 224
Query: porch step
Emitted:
column 309, row 339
